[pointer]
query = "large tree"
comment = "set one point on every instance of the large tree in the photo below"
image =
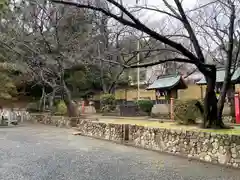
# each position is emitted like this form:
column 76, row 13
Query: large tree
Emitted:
column 10, row 70
column 48, row 39
column 121, row 12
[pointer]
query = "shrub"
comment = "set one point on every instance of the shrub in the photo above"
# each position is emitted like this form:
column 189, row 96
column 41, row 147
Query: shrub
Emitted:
column 61, row 108
column 187, row 111
column 108, row 102
column 145, row 105
column 108, row 99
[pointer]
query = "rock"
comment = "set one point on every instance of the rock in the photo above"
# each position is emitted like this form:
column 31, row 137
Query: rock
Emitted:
column 76, row 133
column 208, row 158
column 232, row 160
column 233, row 145
column 211, row 140
column 214, row 151
column 237, row 160
column 169, row 137
column 199, row 150
column 160, row 109
column 175, row 143
column 205, row 148
column 235, row 165
column 206, row 141
column 234, row 155
column 215, row 145
column 226, row 142
column 221, row 142
column 174, row 149
column 233, row 150
column 202, row 134
column 224, row 158
column 210, row 153
column 238, row 147
column 222, row 150
column 202, row 155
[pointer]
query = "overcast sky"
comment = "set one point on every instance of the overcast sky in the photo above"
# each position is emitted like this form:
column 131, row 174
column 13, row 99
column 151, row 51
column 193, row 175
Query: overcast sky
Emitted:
column 187, row 4
column 152, row 18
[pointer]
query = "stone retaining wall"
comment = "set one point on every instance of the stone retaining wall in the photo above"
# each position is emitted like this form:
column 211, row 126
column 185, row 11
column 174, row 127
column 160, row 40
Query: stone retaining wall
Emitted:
column 45, row 118
column 112, row 132
column 87, row 127
column 58, row 121
column 209, row 147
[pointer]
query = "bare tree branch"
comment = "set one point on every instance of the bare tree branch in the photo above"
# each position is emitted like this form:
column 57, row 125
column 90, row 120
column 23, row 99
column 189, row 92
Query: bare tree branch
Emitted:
column 137, row 25
column 182, row 60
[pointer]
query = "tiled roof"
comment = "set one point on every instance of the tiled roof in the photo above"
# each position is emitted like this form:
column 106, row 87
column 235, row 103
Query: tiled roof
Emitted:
column 165, row 82
column 221, row 76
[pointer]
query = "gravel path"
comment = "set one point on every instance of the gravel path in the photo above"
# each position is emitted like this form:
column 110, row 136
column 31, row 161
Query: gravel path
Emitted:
column 37, row 152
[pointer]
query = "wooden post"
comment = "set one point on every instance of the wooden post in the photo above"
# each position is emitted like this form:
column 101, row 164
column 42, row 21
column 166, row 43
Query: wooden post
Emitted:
column 171, row 108
column 126, row 132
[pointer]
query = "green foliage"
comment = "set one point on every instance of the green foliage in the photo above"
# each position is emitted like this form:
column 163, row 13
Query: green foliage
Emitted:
column 82, row 79
column 108, row 99
column 7, row 88
column 108, row 102
column 187, row 111
column 61, row 108
column 71, row 36
column 145, row 105
column 3, row 5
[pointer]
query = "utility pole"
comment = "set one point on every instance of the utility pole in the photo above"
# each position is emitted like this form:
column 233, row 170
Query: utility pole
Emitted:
column 138, row 70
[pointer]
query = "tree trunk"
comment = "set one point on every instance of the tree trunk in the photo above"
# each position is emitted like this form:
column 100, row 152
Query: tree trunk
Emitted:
column 213, row 108
column 44, row 102
column 228, row 74
column 222, row 99
column 41, row 102
column 230, row 97
column 210, row 100
column 210, row 105
column 71, row 107
column 112, row 89
column 51, row 99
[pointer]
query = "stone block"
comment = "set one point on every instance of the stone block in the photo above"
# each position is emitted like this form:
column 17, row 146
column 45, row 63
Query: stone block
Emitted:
column 208, row 158
column 76, row 133
column 224, row 158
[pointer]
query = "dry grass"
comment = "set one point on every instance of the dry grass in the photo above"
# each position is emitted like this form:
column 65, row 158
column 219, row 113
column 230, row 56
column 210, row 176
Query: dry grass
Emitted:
column 167, row 125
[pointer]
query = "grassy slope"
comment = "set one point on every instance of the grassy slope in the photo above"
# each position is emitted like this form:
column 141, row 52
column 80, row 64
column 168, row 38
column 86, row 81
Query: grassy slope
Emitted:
column 168, row 125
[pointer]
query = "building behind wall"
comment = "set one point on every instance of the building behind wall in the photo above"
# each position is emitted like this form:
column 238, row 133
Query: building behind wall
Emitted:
column 194, row 90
